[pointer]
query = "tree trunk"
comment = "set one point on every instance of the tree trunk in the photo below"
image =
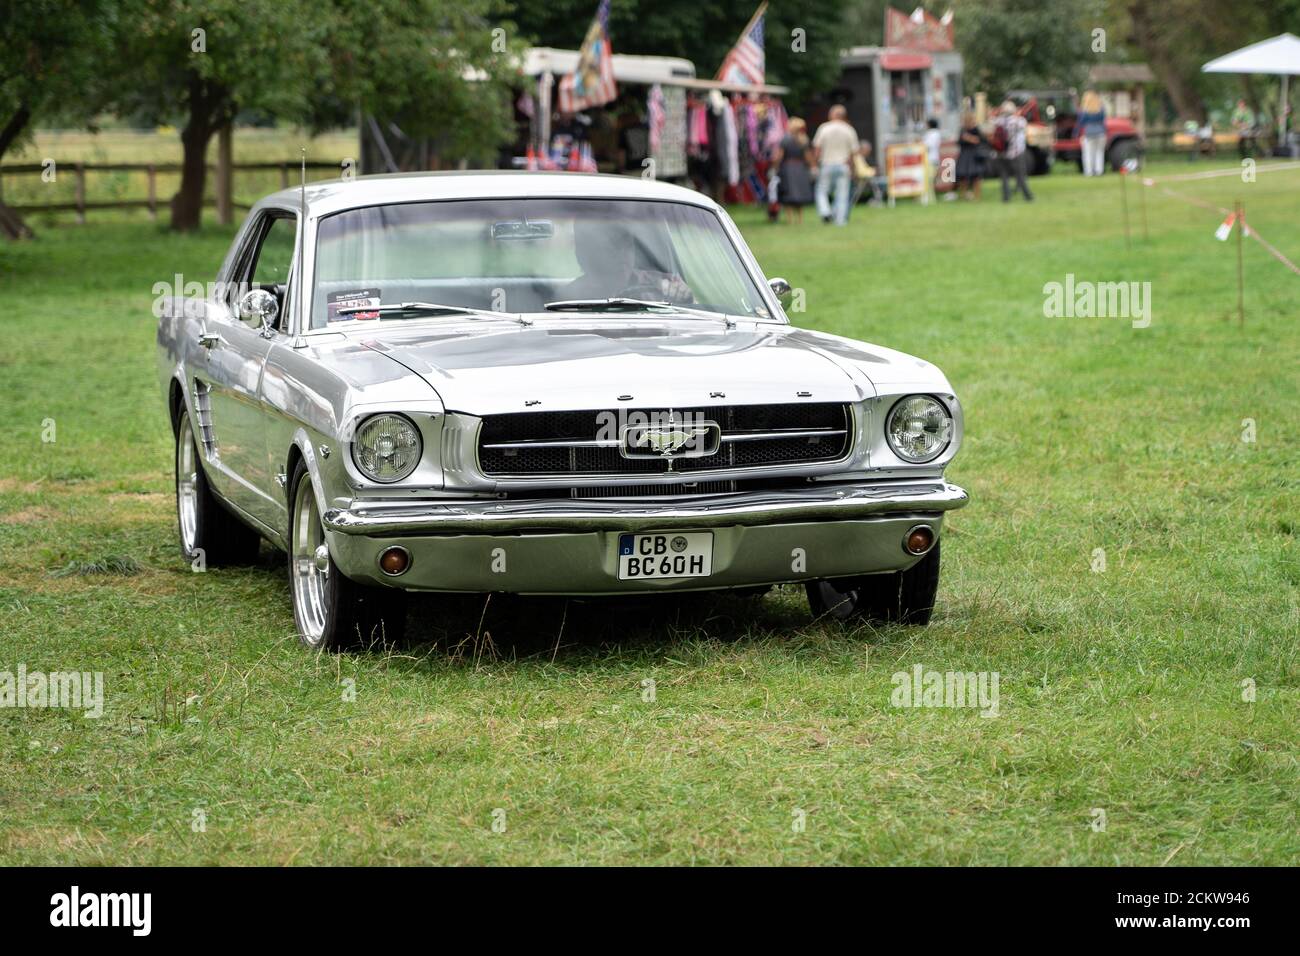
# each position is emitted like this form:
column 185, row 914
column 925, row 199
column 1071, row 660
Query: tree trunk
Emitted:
column 17, row 123
column 11, row 224
column 1164, row 61
column 209, row 109
column 187, row 204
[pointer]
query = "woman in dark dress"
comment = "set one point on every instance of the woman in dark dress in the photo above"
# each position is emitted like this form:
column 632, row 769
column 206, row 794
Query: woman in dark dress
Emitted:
column 973, row 147
column 794, row 188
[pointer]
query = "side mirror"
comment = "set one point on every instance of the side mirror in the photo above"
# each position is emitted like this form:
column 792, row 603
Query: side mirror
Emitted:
column 782, row 290
column 258, row 308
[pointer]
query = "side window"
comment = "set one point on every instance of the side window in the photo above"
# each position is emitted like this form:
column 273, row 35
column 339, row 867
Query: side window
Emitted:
column 274, row 256
column 268, row 263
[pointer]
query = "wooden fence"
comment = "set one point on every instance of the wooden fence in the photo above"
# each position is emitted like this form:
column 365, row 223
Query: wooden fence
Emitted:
column 224, row 199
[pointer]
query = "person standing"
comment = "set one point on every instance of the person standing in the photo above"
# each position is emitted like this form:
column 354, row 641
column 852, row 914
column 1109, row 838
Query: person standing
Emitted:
column 932, row 140
column 834, row 146
column 1011, row 132
column 1090, row 127
column 1243, row 124
column 972, row 147
column 794, row 179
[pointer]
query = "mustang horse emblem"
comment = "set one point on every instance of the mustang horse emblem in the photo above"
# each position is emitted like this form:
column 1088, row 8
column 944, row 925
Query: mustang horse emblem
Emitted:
column 671, row 441
column 668, row 442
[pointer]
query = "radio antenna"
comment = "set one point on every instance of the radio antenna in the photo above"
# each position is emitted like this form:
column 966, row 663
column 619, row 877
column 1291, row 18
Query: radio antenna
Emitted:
column 302, row 239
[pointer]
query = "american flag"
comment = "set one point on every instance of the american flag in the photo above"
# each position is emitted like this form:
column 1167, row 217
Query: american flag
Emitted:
column 745, row 65
column 592, row 82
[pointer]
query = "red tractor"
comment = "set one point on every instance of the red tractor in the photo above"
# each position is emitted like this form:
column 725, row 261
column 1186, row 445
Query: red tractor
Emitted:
column 1059, row 108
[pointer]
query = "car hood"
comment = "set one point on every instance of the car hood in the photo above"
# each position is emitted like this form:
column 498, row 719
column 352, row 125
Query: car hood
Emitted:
column 488, row 367
column 558, row 364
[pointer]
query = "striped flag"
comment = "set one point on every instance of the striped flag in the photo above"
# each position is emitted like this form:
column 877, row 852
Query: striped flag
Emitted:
column 592, row 82
column 745, row 65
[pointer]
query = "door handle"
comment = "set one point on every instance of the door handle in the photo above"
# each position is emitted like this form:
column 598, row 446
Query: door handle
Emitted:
column 209, row 340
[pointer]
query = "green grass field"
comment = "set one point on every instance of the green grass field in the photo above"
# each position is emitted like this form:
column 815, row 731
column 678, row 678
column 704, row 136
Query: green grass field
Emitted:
column 1120, row 690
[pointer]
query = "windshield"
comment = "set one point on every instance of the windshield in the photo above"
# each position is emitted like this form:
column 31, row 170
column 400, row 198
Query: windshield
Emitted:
column 518, row 255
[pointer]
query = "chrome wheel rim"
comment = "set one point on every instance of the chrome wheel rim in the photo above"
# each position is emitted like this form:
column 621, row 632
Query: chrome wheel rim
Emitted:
column 310, row 564
column 187, row 486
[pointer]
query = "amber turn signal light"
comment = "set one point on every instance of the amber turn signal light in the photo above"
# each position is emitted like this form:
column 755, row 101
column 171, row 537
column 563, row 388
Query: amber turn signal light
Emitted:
column 919, row 539
column 394, row 561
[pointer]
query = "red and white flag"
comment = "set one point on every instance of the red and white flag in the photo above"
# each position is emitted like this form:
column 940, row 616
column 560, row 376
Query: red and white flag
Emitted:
column 1225, row 228
column 746, row 65
column 592, row 82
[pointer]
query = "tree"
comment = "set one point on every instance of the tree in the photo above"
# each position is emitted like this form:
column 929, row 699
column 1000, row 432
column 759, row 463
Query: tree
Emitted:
column 204, row 60
column 1010, row 44
column 50, row 69
column 408, row 61
column 310, row 62
column 1178, row 36
column 1168, row 37
column 50, row 62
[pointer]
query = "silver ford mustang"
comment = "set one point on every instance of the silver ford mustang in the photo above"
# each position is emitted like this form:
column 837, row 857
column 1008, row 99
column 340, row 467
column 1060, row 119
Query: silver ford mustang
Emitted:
column 540, row 384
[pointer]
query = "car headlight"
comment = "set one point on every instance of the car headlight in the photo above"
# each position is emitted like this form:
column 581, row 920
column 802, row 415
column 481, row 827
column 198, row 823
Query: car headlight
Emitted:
column 919, row 429
column 387, row 448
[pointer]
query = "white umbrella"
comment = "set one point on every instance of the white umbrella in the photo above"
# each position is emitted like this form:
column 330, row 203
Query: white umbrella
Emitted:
column 1278, row 56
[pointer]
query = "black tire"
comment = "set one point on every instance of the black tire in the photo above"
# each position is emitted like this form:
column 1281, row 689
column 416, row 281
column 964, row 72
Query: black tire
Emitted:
column 1121, row 151
column 901, row 597
column 343, row 615
column 207, row 529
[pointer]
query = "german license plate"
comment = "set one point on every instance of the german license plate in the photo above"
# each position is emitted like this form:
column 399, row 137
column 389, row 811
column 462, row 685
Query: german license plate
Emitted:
column 685, row 554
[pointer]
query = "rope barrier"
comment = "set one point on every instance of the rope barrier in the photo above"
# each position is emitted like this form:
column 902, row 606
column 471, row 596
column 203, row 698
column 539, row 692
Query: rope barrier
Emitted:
column 1217, row 173
column 1213, row 174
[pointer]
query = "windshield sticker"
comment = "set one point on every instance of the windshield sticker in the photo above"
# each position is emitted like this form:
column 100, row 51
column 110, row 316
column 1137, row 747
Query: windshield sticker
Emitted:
column 357, row 299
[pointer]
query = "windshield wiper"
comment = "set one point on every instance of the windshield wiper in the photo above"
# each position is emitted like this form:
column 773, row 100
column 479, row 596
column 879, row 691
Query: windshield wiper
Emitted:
column 412, row 308
column 611, row 304
column 430, row 308
column 620, row 303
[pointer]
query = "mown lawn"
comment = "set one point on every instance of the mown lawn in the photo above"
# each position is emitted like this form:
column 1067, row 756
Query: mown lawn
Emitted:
column 1120, row 690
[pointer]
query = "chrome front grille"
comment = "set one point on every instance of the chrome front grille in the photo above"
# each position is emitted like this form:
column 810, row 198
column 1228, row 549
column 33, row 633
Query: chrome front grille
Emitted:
column 525, row 444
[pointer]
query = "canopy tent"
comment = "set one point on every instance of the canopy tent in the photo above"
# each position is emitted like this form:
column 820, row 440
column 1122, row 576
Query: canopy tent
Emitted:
column 1279, row 56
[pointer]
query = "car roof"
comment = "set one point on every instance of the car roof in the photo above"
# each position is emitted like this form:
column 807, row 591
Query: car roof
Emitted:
column 335, row 195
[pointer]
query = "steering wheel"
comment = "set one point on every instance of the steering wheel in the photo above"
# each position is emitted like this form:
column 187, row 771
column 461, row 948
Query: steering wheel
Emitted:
column 654, row 290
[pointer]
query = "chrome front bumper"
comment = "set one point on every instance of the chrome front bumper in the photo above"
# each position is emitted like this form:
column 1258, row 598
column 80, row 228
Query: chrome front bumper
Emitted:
column 565, row 546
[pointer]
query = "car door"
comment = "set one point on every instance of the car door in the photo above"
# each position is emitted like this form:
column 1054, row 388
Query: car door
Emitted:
column 236, row 358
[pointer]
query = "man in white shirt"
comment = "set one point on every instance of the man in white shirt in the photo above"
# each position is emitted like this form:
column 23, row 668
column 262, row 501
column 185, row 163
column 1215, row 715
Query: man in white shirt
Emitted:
column 932, row 139
column 834, row 147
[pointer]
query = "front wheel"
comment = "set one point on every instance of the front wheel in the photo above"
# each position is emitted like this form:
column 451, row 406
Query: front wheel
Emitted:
column 900, row 597
column 333, row 612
